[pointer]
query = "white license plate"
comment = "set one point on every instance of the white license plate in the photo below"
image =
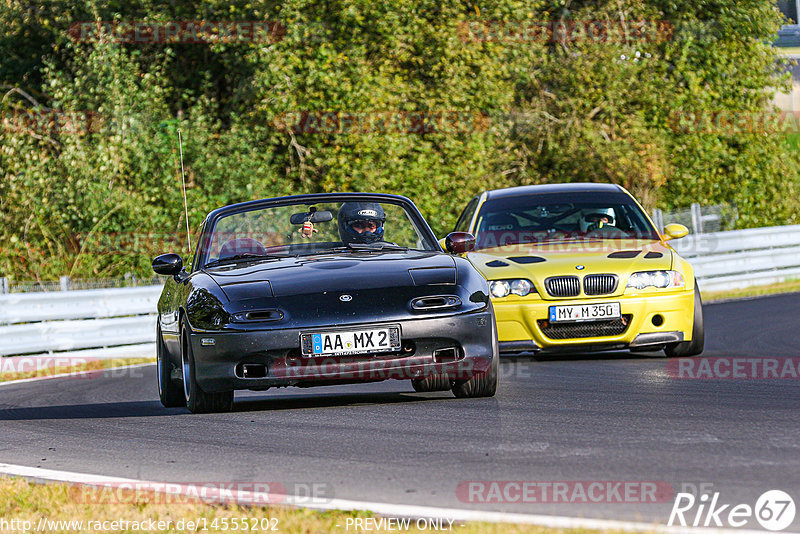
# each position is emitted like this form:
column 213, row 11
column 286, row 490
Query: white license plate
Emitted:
column 585, row 312
column 346, row 342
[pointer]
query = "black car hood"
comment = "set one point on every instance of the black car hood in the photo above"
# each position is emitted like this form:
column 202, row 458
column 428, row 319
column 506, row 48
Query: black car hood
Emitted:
column 348, row 271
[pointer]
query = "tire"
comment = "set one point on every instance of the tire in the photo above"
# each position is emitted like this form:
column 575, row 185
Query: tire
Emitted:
column 169, row 393
column 197, row 400
column 482, row 384
column 431, row 383
column 695, row 346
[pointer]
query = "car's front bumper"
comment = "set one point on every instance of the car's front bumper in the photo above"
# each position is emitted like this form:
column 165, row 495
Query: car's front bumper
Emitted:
column 652, row 320
column 277, row 352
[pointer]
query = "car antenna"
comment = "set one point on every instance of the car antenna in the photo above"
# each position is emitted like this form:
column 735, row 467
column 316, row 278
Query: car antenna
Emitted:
column 185, row 203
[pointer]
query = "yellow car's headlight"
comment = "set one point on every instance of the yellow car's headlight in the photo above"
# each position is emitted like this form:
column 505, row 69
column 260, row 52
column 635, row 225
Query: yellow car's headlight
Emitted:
column 661, row 279
column 503, row 288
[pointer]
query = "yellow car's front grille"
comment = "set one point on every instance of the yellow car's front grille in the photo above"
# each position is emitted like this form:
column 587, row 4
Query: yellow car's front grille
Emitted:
column 563, row 286
column 600, row 284
column 613, row 327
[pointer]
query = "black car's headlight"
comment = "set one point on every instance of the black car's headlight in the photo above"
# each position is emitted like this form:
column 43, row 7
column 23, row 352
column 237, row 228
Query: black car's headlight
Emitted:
column 503, row 288
column 660, row 279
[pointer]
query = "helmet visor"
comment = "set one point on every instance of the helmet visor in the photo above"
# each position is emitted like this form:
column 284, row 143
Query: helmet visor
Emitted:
column 364, row 225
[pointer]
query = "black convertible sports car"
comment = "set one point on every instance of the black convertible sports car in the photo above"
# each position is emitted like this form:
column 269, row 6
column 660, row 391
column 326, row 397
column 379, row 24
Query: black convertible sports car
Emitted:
column 322, row 289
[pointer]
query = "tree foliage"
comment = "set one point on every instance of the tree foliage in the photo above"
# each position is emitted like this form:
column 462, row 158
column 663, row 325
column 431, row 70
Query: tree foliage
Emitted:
column 100, row 195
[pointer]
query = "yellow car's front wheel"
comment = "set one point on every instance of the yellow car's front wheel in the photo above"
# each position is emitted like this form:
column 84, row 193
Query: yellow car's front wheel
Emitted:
column 695, row 346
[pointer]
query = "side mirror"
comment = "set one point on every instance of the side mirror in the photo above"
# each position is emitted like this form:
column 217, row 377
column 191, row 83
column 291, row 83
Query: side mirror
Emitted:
column 459, row 242
column 675, row 231
column 168, row 264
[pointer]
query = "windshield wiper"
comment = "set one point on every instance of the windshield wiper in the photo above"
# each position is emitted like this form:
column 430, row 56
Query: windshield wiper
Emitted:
column 375, row 246
column 360, row 247
column 245, row 256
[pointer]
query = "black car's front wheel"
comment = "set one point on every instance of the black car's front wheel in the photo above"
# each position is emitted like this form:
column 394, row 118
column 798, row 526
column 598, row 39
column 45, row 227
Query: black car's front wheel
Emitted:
column 431, row 383
column 169, row 393
column 197, row 400
column 482, row 384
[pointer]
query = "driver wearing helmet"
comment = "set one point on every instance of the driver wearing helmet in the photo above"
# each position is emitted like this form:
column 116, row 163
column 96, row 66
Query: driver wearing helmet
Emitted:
column 596, row 219
column 361, row 222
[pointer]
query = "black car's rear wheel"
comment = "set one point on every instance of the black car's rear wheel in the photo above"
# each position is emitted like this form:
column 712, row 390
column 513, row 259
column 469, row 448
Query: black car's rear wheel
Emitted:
column 431, row 383
column 695, row 346
column 197, row 400
column 482, row 384
column 170, row 394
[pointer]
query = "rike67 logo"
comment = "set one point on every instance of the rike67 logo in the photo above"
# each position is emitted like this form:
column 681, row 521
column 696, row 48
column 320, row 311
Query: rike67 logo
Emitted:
column 774, row 510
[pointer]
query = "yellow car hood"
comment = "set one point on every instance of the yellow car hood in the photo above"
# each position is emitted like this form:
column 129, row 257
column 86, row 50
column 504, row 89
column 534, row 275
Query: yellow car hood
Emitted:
column 536, row 262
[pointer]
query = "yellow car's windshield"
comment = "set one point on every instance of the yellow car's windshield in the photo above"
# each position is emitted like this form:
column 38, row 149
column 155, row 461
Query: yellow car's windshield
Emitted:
column 548, row 217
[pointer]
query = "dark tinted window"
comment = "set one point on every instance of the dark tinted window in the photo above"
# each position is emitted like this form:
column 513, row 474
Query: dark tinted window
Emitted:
column 559, row 216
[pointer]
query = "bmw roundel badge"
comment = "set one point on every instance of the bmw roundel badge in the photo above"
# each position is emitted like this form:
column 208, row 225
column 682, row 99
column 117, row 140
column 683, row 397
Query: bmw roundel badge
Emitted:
column 345, row 298
column 580, row 267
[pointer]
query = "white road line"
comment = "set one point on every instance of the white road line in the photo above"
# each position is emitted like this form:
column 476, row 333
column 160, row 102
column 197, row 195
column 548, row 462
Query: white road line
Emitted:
column 72, row 374
column 383, row 509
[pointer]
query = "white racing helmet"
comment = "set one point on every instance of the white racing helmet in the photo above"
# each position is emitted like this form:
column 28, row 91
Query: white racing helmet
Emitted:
column 592, row 219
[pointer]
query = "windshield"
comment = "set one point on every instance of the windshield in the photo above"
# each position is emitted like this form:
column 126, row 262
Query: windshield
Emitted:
column 317, row 228
column 560, row 217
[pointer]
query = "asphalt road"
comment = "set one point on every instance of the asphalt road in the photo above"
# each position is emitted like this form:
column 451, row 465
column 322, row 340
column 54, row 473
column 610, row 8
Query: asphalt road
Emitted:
column 607, row 417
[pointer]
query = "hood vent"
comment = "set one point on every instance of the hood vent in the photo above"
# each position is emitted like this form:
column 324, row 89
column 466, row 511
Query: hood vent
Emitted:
column 624, row 254
column 524, row 260
column 497, row 263
column 653, row 255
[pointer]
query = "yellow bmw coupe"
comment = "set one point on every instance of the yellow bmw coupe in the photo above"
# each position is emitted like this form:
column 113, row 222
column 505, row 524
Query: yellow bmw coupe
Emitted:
column 581, row 267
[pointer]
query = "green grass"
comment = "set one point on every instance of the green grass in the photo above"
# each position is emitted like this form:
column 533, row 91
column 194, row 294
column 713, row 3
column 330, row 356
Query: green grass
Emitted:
column 93, row 365
column 22, row 500
column 790, row 286
column 788, row 50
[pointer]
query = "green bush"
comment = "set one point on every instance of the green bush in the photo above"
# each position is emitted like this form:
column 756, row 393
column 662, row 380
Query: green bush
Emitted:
column 102, row 202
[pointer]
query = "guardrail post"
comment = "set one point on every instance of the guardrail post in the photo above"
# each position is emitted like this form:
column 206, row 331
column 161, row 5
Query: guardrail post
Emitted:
column 64, row 283
column 658, row 218
column 697, row 219
column 3, row 285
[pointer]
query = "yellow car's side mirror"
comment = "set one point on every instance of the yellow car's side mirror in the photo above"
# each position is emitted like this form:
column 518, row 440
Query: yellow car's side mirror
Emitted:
column 675, row 231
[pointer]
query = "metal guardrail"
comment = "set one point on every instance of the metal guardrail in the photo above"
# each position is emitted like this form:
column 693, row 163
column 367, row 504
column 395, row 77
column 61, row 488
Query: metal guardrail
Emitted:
column 73, row 320
column 85, row 304
column 124, row 317
column 743, row 258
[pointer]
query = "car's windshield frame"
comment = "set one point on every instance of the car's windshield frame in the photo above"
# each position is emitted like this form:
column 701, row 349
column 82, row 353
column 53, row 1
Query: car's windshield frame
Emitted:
column 201, row 259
